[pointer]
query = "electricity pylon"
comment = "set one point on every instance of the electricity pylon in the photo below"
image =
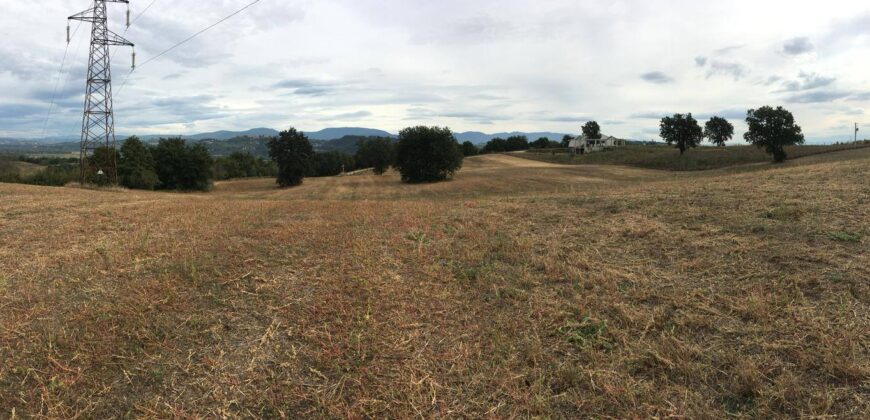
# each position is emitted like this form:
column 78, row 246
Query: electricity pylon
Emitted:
column 98, row 122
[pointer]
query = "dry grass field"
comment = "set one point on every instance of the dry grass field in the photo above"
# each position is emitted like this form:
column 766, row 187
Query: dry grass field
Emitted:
column 520, row 289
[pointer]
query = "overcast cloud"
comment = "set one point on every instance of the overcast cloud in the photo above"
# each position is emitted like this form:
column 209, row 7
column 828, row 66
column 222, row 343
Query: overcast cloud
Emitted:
column 481, row 65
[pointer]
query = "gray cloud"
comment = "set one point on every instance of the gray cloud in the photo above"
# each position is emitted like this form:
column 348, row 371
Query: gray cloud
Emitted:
column 657, row 77
column 15, row 111
column 729, row 114
column 348, row 116
column 797, row 46
column 700, row 61
column 729, row 49
column 817, row 97
column 569, row 118
column 721, row 68
column 653, row 115
column 807, row 81
column 771, row 80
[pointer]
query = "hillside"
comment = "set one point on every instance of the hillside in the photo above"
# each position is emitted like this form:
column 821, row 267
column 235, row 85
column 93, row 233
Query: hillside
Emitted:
column 668, row 158
column 520, row 289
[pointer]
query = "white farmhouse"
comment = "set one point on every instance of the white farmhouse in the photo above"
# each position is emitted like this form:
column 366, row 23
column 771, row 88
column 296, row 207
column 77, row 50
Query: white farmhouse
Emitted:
column 582, row 144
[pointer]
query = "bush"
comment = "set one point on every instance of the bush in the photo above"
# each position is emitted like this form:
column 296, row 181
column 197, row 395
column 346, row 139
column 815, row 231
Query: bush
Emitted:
column 136, row 168
column 55, row 176
column 375, row 152
column 293, row 154
column 9, row 172
column 427, row 154
column 182, row 167
column 102, row 167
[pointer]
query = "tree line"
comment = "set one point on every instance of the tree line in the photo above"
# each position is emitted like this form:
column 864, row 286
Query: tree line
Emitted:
column 421, row 154
column 769, row 128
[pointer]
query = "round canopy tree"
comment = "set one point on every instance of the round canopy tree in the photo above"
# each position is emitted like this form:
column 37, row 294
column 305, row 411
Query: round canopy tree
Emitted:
column 427, row 154
column 136, row 167
column 718, row 130
column 592, row 130
column 293, row 154
column 682, row 131
column 773, row 129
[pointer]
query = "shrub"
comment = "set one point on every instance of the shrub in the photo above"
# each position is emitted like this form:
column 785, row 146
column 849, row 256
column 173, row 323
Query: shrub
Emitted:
column 180, row 166
column 55, row 176
column 9, row 172
column 427, row 154
column 293, row 154
column 102, row 167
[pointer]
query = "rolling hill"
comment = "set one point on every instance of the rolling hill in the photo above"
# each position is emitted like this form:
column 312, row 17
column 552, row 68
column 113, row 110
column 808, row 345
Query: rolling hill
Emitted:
column 520, row 289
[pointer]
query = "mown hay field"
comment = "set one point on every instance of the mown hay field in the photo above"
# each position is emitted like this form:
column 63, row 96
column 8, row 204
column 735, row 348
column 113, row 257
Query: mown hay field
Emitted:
column 519, row 289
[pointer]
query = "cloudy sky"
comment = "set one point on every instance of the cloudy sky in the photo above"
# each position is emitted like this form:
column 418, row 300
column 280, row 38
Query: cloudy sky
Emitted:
column 473, row 65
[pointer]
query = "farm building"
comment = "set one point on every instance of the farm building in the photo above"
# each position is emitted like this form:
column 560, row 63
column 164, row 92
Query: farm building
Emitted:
column 583, row 144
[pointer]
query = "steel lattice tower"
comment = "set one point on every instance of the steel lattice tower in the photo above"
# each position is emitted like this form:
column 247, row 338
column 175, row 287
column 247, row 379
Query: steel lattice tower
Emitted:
column 98, row 123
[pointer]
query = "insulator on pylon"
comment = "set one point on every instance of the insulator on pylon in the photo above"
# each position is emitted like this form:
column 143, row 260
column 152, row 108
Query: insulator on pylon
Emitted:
column 67, row 34
column 134, row 59
column 128, row 15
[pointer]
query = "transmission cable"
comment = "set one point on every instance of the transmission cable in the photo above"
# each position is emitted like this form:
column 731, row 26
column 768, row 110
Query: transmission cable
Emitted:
column 188, row 39
column 57, row 82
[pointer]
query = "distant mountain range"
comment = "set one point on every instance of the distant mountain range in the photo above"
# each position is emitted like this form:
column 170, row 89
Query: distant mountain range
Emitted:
column 323, row 135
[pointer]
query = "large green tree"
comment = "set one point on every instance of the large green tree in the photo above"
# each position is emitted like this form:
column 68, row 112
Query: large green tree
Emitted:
column 331, row 163
column 772, row 129
column 293, row 154
column 375, row 152
column 469, row 149
column 496, row 145
column 592, row 130
column 681, row 131
column 427, row 154
column 541, row 143
column 181, row 166
column 718, row 130
column 516, row 143
column 136, row 168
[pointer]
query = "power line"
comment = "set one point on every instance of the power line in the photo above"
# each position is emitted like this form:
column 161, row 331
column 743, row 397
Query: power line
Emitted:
column 57, row 82
column 140, row 15
column 129, row 24
column 188, row 39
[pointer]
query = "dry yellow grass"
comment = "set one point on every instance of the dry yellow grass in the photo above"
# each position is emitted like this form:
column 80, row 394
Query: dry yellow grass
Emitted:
column 519, row 289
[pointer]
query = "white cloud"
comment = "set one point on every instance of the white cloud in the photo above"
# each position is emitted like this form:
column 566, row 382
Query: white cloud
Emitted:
column 475, row 65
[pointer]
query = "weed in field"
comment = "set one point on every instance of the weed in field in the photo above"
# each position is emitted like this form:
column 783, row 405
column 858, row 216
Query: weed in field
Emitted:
column 844, row 236
column 586, row 333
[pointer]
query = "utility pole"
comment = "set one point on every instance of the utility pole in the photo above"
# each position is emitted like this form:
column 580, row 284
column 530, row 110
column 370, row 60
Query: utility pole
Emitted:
column 98, row 122
column 856, row 132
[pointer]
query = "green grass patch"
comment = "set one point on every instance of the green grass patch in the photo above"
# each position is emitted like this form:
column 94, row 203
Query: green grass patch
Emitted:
column 844, row 236
column 586, row 333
